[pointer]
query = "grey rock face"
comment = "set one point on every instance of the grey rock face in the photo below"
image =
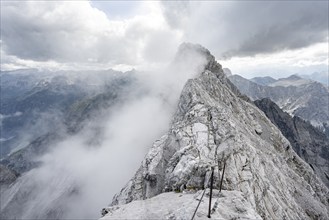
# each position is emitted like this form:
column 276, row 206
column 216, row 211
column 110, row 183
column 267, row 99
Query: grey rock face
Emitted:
column 213, row 126
column 304, row 98
column 310, row 143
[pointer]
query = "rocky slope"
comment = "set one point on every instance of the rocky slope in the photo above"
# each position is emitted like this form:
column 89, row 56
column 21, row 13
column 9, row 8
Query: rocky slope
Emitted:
column 213, row 126
column 301, row 97
column 310, row 143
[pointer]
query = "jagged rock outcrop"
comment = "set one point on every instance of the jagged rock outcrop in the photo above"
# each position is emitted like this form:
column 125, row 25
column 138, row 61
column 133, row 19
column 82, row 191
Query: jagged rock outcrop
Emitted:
column 7, row 176
column 309, row 143
column 213, row 126
column 304, row 98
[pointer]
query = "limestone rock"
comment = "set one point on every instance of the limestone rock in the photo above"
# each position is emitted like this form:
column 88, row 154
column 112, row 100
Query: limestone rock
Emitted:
column 214, row 126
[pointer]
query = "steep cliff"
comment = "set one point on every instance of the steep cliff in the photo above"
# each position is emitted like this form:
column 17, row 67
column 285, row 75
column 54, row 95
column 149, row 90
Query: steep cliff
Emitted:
column 309, row 143
column 213, row 126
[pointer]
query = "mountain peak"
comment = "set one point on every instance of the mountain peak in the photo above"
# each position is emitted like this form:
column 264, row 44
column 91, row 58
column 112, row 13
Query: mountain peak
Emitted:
column 292, row 80
column 264, row 81
column 293, row 77
column 186, row 48
column 188, row 51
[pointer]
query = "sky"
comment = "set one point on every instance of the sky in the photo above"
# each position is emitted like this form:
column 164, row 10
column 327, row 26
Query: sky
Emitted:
column 252, row 38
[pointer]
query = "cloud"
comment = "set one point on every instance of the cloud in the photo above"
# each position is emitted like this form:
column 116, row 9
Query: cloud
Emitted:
column 87, row 34
column 249, row 28
column 77, row 32
column 42, row 31
column 282, row 64
column 80, row 175
column 97, row 172
column 176, row 13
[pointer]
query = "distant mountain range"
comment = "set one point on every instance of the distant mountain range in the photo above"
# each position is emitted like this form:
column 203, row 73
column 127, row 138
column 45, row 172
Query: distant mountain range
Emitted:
column 39, row 109
column 297, row 96
column 42, row 102
column 322, row 77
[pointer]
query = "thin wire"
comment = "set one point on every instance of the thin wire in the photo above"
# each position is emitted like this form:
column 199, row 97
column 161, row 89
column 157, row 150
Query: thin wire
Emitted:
column 200, row 200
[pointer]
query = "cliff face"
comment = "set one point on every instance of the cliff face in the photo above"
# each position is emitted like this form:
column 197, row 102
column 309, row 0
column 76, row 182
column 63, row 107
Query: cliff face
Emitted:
column 310, row 143
column 213, row 126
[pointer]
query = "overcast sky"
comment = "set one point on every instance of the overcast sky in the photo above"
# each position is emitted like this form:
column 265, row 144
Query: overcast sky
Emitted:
column 251, row 38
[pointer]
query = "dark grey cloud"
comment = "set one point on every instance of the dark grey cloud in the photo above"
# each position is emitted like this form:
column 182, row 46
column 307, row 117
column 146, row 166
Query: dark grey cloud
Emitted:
column 244, row 28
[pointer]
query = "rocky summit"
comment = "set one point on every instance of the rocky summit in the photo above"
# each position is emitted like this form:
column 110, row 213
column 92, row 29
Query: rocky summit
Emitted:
column 215, row 127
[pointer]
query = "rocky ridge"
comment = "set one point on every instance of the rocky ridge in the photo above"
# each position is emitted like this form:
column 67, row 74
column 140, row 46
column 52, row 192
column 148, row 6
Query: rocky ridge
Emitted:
column 215, row 125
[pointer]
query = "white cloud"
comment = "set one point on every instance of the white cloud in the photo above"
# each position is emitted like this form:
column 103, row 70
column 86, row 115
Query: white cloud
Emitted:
column 79, row 178
column 76, row 32
column 80, row 35
column 281, row 64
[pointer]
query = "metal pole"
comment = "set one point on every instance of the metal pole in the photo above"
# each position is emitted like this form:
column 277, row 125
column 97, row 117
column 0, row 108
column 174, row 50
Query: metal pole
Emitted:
column 211, row 183
column 221, row 181
column 198, row 204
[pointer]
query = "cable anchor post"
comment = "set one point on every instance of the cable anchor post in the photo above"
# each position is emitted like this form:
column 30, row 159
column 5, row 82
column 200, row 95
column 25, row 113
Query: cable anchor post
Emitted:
column 211, row 185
